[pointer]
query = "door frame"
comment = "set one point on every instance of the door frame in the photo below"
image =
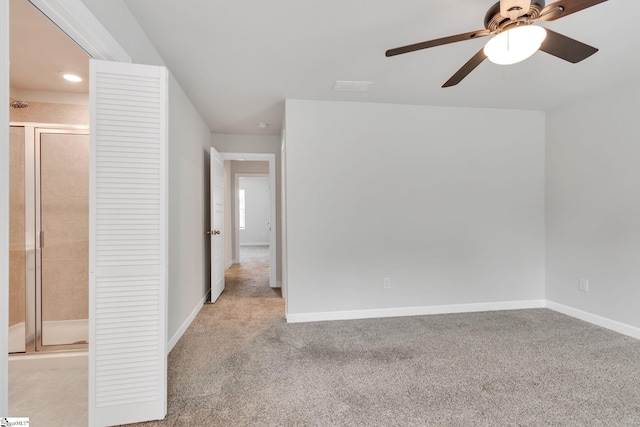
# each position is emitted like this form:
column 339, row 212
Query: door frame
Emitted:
column 78, row 22
column 273, row 243
column 236, row 206
column 32, row 143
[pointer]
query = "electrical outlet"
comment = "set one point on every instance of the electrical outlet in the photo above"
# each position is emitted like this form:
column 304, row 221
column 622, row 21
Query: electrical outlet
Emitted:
column 387, row 282
column 583, row 286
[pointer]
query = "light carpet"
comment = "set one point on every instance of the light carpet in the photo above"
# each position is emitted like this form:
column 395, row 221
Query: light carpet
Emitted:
column 240, row 364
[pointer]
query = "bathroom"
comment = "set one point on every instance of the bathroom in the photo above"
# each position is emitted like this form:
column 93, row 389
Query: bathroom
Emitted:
column 49, row 217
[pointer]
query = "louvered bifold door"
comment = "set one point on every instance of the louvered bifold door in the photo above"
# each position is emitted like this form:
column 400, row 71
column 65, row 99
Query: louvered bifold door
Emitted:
column 128, row 243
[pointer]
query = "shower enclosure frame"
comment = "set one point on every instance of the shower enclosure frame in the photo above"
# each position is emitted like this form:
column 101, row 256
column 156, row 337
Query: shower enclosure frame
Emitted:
column 34, row 235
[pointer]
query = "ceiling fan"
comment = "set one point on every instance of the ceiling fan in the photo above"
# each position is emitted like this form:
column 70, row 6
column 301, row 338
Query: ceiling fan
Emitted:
column 515, row 37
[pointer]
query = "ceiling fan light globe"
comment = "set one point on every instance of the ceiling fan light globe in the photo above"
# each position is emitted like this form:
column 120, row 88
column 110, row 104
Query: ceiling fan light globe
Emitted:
column 515, row 45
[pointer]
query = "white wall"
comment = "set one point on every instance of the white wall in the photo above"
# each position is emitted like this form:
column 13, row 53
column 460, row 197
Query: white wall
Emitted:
column 256, row 144
column 189, row 142
column 189, row 207
column 237, row 167
column 122, row 25
column 225, row 143
column 249, row 167
column 257, row 211
column 448, row 202
column 593, row 204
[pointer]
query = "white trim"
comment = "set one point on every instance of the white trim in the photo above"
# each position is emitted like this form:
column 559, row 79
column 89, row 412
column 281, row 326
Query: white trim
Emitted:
column 249, row 156
column 594, row 319
column 414, row 311
column 183, row 328
column 76, row 20
column 4, row 208
column 273, row 249
column 283, row 218
column 255, row 244
column 51, row 126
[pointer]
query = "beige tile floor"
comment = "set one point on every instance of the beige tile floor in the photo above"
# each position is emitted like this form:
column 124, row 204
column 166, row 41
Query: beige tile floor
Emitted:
column 50, row 397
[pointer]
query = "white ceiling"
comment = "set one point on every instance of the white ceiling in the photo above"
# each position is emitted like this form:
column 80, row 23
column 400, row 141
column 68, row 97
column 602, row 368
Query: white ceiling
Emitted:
column 40, row 53
column 239, row 60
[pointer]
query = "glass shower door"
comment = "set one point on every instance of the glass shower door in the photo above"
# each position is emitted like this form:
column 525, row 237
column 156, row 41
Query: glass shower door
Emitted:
column 63, row 238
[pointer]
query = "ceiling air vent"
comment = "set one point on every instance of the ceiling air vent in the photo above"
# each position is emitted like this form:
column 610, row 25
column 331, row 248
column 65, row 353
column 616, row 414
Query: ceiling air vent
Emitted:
column 348, row 86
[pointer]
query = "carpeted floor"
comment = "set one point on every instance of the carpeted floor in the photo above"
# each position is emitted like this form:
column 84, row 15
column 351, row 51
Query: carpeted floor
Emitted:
column 240, row 364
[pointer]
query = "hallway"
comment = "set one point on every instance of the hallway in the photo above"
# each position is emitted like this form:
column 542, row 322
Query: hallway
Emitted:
column 250, row 278
column 246, row 309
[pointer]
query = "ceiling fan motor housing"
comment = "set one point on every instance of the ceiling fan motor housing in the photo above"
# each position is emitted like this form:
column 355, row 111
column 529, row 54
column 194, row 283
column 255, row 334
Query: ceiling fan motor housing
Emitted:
column 517, row 12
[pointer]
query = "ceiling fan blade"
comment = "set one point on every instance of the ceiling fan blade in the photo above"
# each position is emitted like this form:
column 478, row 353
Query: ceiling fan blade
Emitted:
column 437, row 42
column 563, row 8
column 466, row 68
column 566, row 48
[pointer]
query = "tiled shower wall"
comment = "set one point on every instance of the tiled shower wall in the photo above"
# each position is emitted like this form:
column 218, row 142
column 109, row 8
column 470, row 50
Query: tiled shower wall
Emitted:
column 65, row 275
column 40, row 112
column 64, row 170
column 17, row 261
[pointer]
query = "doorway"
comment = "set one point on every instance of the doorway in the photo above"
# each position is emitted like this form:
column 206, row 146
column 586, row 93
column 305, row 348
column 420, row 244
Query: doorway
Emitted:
column 49, row 218
column 252, row 213
column 258, row 171
column 79, row 23
column 250, row 244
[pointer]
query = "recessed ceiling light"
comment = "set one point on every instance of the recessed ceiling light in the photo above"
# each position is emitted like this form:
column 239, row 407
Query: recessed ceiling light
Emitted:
column 72, row 78
column 263, row 125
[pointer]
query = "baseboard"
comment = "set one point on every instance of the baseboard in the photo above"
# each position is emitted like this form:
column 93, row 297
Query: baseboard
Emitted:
column 176, row 337
column 604, row 322
column 413, row 311
column 255, row 244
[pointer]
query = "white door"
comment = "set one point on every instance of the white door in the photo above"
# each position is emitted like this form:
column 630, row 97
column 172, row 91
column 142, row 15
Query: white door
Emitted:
column 217, row 225
column 127, row 243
